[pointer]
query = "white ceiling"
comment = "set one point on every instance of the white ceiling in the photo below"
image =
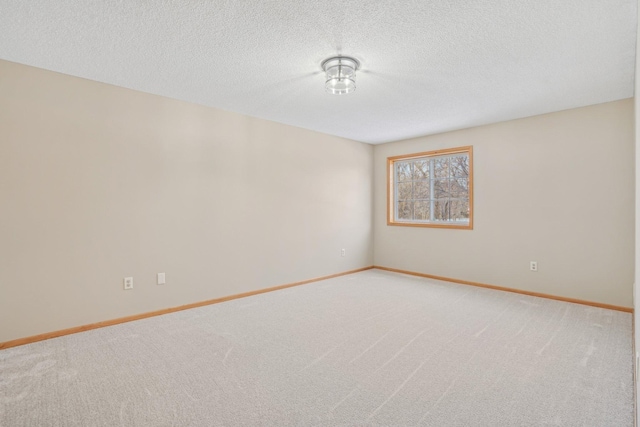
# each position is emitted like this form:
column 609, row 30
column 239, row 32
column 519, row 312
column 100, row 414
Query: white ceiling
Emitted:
column 428, row 66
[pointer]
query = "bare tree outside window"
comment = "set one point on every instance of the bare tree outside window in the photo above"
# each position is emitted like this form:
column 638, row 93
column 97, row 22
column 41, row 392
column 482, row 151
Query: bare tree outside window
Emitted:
column 432, row 189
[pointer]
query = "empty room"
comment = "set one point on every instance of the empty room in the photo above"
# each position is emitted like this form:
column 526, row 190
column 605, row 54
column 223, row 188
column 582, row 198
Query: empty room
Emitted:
column 280, row 213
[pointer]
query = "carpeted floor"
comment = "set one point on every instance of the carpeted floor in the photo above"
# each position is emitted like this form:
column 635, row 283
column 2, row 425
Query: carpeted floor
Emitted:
column 368, row 349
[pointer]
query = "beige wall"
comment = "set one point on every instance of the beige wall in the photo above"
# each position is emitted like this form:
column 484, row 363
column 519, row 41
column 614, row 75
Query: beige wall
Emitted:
column 636, row 291
column 99, row 182
column 557, row 189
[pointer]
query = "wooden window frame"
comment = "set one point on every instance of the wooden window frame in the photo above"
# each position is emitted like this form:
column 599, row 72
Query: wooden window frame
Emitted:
column 391, row 188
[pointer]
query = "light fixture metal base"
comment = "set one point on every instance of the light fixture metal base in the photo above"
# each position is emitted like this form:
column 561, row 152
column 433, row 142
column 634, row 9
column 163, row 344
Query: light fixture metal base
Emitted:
column 356, row 63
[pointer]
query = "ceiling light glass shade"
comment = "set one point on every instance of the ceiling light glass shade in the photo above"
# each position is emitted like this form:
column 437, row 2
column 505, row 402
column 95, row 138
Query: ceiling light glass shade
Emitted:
column 340, row 74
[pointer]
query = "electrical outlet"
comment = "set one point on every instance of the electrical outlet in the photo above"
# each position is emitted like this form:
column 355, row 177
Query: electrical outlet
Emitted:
column 533, row 266
column 128, row 283
column 343, row 252
column 161, row 279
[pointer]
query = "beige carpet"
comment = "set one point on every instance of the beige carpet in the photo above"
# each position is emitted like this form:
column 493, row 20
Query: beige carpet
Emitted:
column 368, row 349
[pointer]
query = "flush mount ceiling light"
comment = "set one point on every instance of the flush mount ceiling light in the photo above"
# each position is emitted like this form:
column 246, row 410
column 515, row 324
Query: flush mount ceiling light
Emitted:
column 340, row 74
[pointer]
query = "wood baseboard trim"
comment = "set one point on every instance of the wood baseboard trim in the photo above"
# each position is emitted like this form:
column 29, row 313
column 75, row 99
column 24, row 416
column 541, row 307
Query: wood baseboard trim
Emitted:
column 69, row 331
column 502, row 288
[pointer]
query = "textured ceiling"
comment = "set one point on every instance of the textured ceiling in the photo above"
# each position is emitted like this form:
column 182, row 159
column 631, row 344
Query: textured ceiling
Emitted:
column 428, row 66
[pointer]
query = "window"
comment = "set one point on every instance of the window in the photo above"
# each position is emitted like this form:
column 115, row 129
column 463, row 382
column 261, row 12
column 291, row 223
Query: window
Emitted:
column 432, row 189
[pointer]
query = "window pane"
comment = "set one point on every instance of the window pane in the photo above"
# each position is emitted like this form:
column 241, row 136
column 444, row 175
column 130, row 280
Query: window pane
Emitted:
column 421, row 169
column 421, row 211
column 459, row 188
column 441, row 167
column 460, row 166
column 441, row 188
column 404, row 210
column 459, row 210
column 404, row 191
column 421, row 189
column 441, row 210
column 403, row 171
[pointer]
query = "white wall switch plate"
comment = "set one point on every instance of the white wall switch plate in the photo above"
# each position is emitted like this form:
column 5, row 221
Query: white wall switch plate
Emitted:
column 128, row 283
column 161, row 279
